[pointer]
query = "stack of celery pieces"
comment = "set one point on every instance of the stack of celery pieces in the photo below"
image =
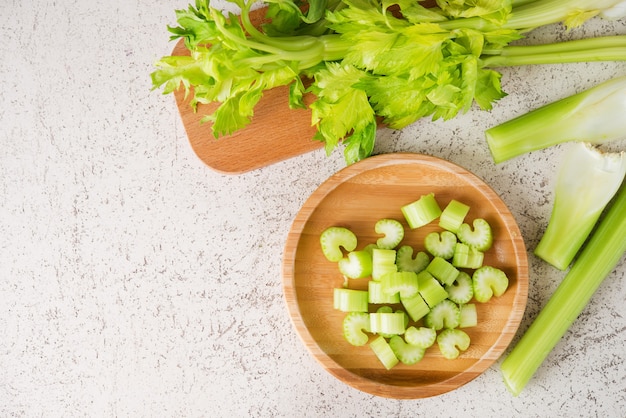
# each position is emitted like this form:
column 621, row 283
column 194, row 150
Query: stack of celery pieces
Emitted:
column 369, row 62
column 587, row 228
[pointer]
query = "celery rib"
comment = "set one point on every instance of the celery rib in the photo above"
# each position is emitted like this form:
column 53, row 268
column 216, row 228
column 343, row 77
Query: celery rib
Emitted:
column 614, row 53
column 597, row 260
column 590, row 116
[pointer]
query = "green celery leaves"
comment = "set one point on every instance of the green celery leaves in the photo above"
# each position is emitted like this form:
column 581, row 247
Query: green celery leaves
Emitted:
column 342, row 109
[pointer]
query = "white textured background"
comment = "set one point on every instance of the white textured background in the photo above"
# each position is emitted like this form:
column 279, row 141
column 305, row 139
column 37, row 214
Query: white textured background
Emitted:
column 137, row 282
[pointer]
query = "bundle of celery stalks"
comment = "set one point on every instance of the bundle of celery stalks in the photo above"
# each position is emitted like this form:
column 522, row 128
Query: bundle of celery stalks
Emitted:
column 393, row 62
column 582, row 234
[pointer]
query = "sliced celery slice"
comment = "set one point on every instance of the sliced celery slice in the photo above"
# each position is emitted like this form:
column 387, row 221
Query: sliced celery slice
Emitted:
column 407, row 353
column 383, row 351
column 445, row 314
column 387, row 323
column 452, row 341
column 400, row 282
column 350, row 300
column 383, row 262
column 420, row 336
column 489, row 281
column 462, row 290
column 378, row 296
column 406, row 262
column 415, row 306
column 442, row 270
column 440, row 244
column 354, row 325
column 393, row 232
column 335, row 237
column 469, row 316
column 467, row 257
column 430, row 289
column 356, row 265
column 422, row 211
column 453, row 215
column 479, row 235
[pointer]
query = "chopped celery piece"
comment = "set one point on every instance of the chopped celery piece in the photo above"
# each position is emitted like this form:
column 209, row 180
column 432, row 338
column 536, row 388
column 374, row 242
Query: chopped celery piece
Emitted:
column 442, row 270
column 461, row 291
column 388, row 310
column 400, row 282
column 383, row 351
column 350, row 300
column 467, row 257
column 598, row 258
column 357, row 265
column 335, row 237
column 393, row 232
column 407, row 353
column 430, row 289
column 405, row 316
column 420, row 336
column 378, row 296
column 383, row 262
column 422, row 211
column 354, row 325
column 479, row 237
column 468, row 316
column 594, row 115
column 489, row 281
column 445, row 314
column 406, row 262
column 415, row 306
column 452, row 341
column 387, row 323
column 440, row 244
column 453, row 215
column 383, row 309
column 586, row 182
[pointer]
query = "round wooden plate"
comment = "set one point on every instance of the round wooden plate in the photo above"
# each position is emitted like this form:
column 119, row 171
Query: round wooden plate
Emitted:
column 356, row 197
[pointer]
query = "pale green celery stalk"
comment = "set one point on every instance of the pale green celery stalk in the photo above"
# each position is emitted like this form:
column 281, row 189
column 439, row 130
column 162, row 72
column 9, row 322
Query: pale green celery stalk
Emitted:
column 529, row 15
column 601, row 48
column 595, row 115
column 596, row 261
column 316, row 47
column 304, row 49
column 587, row 180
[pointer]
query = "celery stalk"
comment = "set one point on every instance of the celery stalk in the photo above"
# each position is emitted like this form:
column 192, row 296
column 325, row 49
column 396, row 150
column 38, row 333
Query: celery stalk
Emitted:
column 594, row 115
column 587, row 180
column 596, row 261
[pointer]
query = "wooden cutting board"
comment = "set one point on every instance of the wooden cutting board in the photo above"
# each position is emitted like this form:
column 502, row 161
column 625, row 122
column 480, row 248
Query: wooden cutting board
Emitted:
column 276, row 132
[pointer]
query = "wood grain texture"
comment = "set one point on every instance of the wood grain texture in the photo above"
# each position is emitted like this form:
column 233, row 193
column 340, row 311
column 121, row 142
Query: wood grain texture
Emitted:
column 356, row 197
column 275, row 133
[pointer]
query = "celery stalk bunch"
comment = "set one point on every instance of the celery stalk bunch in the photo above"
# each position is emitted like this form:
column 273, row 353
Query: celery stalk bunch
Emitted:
column 369, row 61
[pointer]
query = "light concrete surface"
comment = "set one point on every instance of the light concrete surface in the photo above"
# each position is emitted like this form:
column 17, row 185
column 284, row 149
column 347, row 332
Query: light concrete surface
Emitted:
column 137, row 282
